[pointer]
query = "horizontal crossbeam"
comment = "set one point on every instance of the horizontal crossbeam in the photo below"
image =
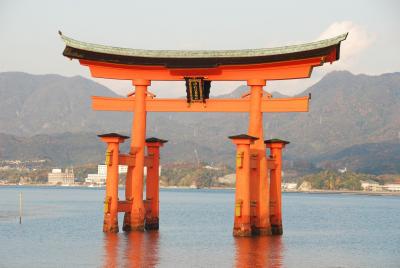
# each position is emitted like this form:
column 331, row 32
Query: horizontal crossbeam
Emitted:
column 270, row 71
column 124, row 206
column 212, row 105
column 127, row 159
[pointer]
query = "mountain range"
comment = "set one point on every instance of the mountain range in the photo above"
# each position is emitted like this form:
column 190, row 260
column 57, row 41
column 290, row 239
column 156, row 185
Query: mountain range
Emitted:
column 351, row 118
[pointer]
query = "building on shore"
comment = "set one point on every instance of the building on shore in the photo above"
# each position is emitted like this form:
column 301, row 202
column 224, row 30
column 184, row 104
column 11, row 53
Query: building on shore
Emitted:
column 289, row 186
column 393, row 187
column 56, row 176
column 370, row 185
column 374, row 186
column 100, row 176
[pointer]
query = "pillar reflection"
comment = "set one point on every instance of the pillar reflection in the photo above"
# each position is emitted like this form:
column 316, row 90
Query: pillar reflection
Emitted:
column 141, row 249
column 111, row 244
column 262, row 251
column 134, row 249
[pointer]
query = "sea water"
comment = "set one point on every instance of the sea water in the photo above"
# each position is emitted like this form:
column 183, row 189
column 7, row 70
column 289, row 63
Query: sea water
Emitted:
column 62, row 227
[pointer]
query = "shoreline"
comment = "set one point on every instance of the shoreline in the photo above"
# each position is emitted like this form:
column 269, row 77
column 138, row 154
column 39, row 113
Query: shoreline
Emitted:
column 350, row 192
column 314, row 191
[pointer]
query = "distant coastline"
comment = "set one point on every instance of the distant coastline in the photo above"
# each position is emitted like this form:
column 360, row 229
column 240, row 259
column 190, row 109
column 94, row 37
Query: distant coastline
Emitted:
column 374, row 193
column 315, row 191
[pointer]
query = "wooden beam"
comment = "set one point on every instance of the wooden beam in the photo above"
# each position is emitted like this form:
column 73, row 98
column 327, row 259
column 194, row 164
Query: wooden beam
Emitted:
column 211, row 105
column 127, row 159
column 124, row 206
column 267, row 71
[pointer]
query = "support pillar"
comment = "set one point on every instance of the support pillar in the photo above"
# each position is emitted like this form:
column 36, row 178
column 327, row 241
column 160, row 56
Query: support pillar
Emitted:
column 276, row 146
column 134, row 220
column 242, row 221
column 259, row 172
column 152, row 183
column 113, row 140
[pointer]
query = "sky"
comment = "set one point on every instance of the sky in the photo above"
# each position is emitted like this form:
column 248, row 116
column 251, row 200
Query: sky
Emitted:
column 29, row 41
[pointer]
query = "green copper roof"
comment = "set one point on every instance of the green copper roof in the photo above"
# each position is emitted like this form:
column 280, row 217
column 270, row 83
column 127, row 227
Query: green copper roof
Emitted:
column 201, row 53
column 276, row 141
column 243, row 136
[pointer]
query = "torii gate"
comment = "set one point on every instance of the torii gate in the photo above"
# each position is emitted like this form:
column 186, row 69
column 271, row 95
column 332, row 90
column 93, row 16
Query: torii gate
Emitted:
column 258, row 180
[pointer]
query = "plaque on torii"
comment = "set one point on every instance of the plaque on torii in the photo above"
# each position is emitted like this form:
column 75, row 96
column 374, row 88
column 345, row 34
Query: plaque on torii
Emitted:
column 198, row 68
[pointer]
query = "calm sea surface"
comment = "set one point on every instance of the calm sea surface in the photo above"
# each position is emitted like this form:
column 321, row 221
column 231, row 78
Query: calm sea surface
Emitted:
column 62, row 227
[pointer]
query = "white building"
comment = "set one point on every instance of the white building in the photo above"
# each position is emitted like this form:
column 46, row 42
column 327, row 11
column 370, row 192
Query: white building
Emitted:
column 371, row 185
column 100, row 177
column 392, row 187
column 288, row 186
column 57, row 176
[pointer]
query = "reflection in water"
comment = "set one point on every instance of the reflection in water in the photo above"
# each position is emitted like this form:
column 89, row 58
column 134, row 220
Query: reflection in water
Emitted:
column 141, row 249
column 263, row 251
column 111, row 242
column 135, row 249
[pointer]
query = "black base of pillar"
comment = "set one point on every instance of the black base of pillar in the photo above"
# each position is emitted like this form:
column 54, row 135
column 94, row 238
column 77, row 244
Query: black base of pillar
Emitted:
column 151, row 224
column 261, row 231
column 126, row 227
column 130, row 226
column 276, row 229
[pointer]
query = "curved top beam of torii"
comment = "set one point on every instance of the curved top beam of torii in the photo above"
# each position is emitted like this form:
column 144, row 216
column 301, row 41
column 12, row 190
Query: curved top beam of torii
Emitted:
column 287, row 62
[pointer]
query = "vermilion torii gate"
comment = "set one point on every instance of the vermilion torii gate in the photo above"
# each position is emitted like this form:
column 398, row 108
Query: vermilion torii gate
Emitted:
column 258, row 181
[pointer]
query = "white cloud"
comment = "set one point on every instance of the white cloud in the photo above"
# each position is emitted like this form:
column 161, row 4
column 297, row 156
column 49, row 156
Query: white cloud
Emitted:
column 357, row 41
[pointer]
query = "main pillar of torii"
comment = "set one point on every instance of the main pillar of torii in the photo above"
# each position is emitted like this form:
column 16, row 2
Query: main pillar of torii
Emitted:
column 198, row 69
